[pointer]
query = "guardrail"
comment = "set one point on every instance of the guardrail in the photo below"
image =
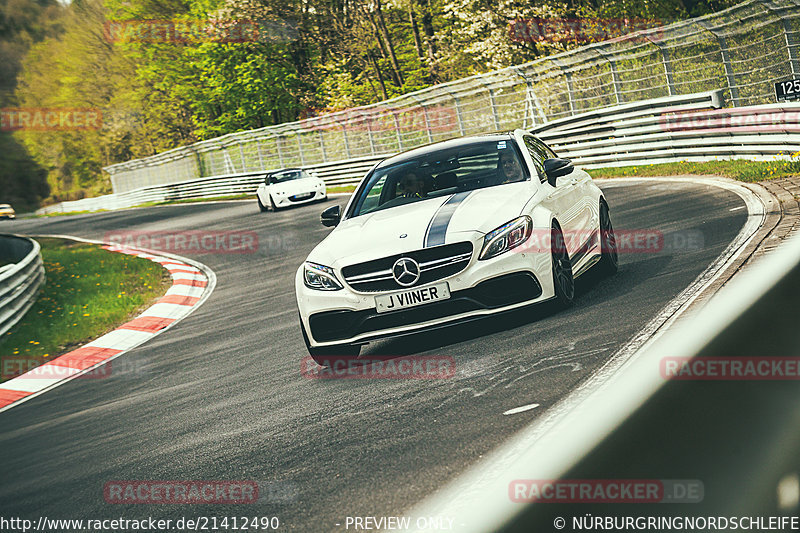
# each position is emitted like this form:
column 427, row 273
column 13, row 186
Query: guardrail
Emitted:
column 20, row 280
column 334, row 174
column 676, row 129
column 692, row 127
column 738, row 437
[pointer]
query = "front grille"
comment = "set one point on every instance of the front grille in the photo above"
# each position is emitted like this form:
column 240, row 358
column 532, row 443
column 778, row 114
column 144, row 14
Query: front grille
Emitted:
column 435, row 263
column 491, row 294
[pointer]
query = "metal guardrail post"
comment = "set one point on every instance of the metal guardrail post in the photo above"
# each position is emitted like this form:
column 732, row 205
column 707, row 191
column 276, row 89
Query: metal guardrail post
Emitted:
column 492, row 103
column 788, row 35
column 322, row 146
column 300, row 148
column 397, row 134
column 614, row 74
column 667, row 62
column 733, row 87
column 791, row 47
column 260, row 155
column 369, row 135
column 280, row 151
column 570, row 88
column 346, row 141
column 242, row 158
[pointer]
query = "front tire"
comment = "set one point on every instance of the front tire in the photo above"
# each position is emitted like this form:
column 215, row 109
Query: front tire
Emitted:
column 261, row 207
column 563, row 282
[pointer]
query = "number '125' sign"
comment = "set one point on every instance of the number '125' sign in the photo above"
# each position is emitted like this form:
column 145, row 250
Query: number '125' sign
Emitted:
column 787, row 90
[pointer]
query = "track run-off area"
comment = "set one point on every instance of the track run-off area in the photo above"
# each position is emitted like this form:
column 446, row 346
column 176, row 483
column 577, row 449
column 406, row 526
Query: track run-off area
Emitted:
column 221, row 395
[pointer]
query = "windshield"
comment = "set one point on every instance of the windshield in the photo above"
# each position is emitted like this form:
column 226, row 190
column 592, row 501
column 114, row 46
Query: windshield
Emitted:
column 287, row 175
column 441, row 173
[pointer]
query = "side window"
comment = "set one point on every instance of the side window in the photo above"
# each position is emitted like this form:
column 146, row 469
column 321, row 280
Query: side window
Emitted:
column 544, row 149
column 537, row 155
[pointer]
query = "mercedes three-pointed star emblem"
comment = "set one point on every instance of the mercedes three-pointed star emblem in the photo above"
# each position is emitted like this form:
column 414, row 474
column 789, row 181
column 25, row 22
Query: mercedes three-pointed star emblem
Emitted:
column 405, row 271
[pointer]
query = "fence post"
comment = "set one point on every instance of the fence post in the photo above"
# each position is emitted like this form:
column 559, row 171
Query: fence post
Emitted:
column 398, row 136
column 726, row 61
column 280, row 151
column 614, row 74
column 369, row 135
column 322, row 146
column 260, row 155
column 241, row 157
column 789, row 37
column 570, row 88
column 491, row 103
column 346, row 142
column 300, row 148
column 667, row 62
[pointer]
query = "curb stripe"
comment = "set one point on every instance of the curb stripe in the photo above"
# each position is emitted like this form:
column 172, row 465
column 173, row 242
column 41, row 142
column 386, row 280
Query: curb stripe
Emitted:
column 83, row 358
column 179, row 299
column 7, row 397
column 190, row 287
column 189, row 282
column 147, row 323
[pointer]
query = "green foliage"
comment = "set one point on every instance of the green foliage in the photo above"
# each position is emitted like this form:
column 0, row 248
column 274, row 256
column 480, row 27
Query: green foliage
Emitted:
column 310, row 57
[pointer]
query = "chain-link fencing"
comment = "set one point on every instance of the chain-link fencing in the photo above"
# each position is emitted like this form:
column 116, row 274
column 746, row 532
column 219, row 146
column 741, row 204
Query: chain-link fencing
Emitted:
column 743, row 51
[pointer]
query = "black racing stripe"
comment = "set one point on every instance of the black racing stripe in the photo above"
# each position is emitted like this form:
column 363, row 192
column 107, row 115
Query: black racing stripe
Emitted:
column 437, row 229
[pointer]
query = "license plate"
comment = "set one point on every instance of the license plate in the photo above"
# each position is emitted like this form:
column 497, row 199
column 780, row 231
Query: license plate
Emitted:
column 302, row 196
column 411, row 298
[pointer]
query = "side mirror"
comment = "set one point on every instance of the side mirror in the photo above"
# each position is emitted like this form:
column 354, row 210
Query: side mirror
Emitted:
column 555, row 168
column 331, row 216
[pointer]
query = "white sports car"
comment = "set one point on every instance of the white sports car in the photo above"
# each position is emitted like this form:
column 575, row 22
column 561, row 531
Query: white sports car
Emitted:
column 290, row 186
column 448, row 232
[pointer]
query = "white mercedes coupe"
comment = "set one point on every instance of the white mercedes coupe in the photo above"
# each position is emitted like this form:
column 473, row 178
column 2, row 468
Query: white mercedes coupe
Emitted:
column 290, row 186
column 449, row 232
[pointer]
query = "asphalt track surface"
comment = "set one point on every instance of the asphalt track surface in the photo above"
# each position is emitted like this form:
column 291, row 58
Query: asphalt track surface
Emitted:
column 220, row 396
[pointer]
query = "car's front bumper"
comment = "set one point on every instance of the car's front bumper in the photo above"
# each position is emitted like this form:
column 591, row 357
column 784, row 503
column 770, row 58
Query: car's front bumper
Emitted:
column 286, row 201
column 483, row 288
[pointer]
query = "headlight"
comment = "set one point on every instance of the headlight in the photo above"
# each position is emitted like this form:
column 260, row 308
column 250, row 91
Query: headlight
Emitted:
column 320, row 277
column 506, row 237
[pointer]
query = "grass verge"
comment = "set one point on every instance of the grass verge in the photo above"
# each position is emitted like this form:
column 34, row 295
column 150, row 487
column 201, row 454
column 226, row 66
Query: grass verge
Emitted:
column 89, row 291
column 741, row 170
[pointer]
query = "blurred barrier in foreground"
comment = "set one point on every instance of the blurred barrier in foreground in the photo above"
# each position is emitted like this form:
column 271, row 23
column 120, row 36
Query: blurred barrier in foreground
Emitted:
column 20, row 278
column 717, row 444
column 739, row 436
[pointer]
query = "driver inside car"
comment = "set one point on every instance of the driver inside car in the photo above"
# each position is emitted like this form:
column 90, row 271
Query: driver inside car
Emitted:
column 510, row 169
column 413, row 185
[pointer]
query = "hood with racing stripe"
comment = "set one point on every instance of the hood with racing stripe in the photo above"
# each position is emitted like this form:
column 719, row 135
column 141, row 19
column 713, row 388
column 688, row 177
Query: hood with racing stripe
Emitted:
column 464, row 216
